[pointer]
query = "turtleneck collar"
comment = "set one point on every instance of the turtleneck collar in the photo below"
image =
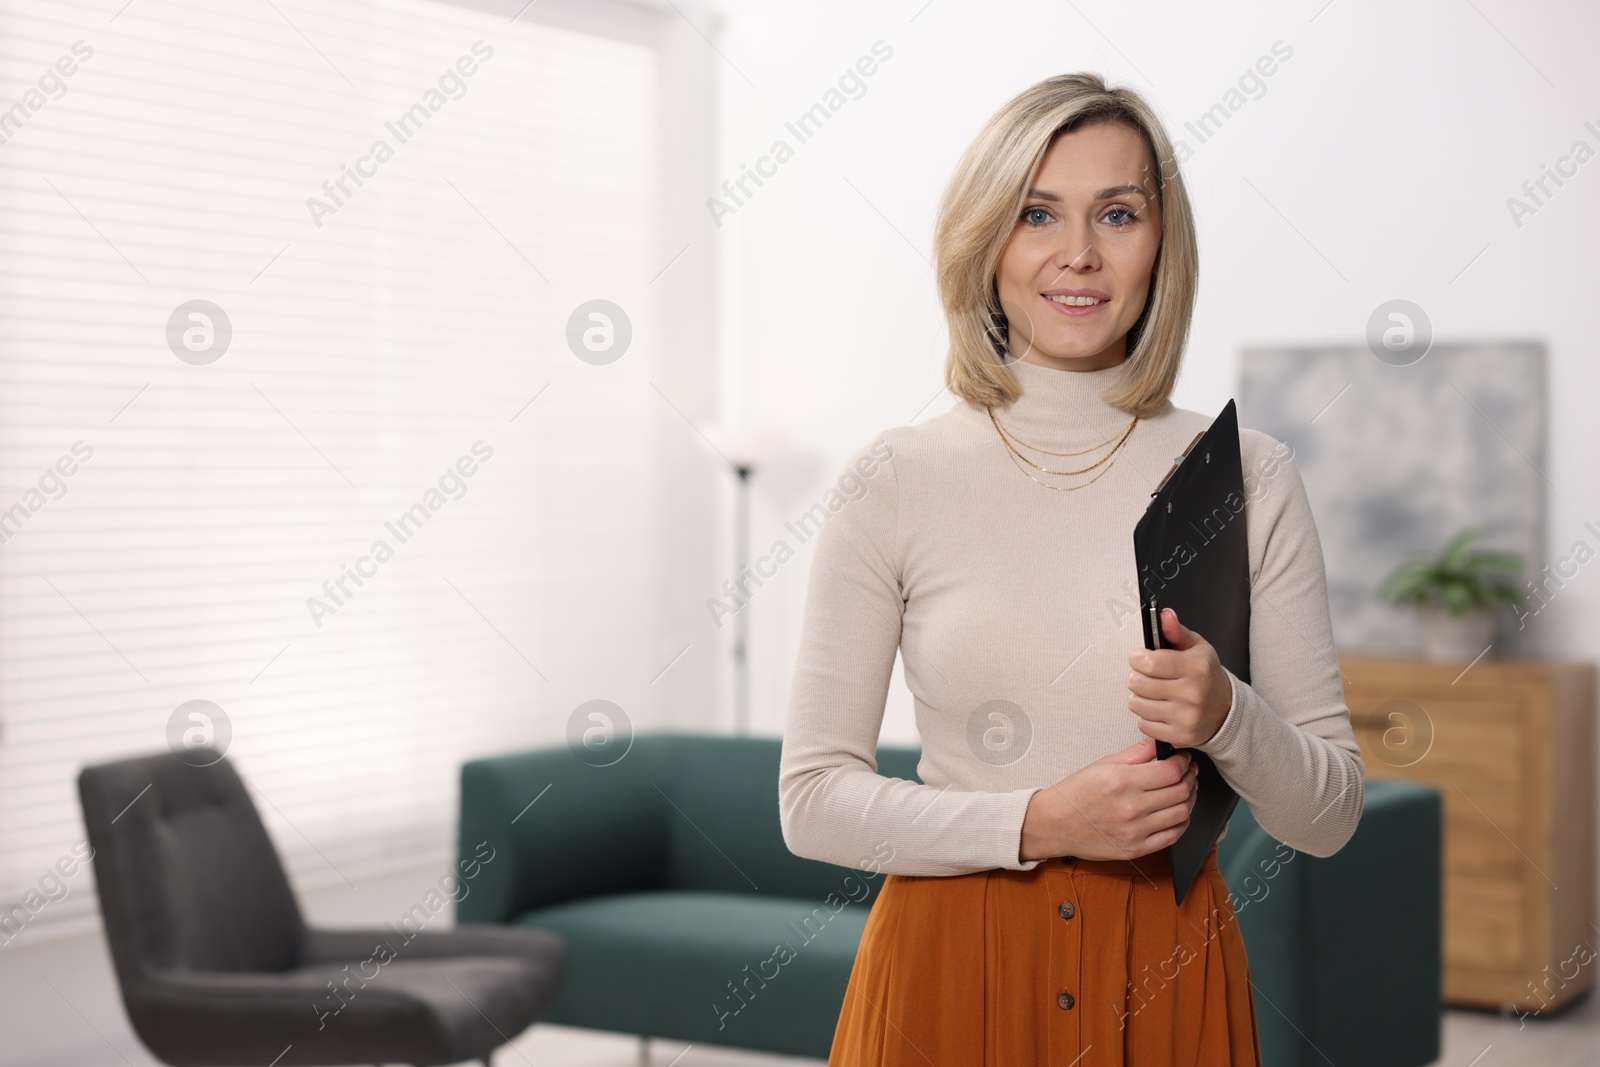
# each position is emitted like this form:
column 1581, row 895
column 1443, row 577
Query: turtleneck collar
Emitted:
column 1062, row 408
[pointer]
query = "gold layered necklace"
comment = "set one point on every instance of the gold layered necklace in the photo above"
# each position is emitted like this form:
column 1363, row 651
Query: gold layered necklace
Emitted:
column 1011, row 441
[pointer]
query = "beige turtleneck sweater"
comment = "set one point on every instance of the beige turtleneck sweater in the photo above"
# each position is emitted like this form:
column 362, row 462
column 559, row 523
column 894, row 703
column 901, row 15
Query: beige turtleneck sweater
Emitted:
column 1014, row 608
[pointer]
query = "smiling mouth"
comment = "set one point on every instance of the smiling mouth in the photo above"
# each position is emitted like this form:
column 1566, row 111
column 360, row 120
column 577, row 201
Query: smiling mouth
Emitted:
column 1077, row 306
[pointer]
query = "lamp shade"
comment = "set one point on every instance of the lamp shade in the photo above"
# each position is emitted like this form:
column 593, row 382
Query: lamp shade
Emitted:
column 744, row 446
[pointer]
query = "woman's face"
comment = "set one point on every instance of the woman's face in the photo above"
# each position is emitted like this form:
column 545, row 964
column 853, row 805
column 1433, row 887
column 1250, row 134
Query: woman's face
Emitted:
column 1090, row 228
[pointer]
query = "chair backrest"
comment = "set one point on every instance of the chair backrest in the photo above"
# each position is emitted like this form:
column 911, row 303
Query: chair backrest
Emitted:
column 187, row 877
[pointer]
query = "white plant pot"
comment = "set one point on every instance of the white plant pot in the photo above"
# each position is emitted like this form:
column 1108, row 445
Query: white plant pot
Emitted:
column 1450, row 638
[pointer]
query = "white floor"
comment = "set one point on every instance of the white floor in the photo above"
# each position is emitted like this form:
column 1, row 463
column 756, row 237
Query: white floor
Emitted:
column 1484, row 1039
column 1471, row 1039
column 59, row 1008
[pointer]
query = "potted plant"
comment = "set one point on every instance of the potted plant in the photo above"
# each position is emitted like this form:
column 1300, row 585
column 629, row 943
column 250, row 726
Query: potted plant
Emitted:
column 1456, row 594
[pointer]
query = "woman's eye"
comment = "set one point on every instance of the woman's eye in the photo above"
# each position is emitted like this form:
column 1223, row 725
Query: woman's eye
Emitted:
column 1029, row 216
column 1126, row 217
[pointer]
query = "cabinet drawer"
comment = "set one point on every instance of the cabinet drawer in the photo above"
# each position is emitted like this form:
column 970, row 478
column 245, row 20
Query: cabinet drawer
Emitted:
column 1484, row 922
column 1455, row 740
column 1484, row 829
column 1484, row 824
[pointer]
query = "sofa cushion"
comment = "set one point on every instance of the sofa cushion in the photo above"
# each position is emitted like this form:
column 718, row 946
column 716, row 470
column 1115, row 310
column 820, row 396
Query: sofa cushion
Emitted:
column 723, row 968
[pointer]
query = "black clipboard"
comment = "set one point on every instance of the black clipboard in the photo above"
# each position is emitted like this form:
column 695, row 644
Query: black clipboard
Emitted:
column 1192, row 556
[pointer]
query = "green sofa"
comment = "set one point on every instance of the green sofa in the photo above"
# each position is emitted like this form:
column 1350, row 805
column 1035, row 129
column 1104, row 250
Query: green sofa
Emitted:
column 667, row 875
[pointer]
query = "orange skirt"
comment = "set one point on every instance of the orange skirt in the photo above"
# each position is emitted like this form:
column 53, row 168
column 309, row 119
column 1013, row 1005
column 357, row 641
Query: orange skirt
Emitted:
column 1076, row 963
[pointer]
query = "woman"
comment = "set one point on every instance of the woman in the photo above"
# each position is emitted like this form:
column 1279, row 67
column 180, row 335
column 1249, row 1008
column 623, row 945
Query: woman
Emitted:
column 1027, row 915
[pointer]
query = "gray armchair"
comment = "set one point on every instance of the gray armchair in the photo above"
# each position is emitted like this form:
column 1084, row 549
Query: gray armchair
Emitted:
column 216, row 965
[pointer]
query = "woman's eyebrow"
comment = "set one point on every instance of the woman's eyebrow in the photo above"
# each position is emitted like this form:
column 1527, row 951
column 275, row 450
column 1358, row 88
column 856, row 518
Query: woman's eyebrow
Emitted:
column 1104, row 194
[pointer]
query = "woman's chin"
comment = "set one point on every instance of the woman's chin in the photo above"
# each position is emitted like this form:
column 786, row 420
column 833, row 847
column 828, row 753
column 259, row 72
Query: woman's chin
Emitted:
column 1071, row 354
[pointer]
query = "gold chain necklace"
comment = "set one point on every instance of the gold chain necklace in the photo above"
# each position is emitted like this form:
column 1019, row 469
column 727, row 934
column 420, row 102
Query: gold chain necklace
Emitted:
column 1046, row 451
column 1018, row 459
column 1047, row 470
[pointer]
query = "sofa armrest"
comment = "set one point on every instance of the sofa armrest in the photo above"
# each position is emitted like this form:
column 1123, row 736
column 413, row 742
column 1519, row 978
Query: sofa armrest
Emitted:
column 1377, row 934
column 1267, row 886
column 1345, row 949
column 544, row 827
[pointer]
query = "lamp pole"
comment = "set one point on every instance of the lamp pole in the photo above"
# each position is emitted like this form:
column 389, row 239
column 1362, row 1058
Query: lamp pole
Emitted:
column 741, row 620
column 745, row 449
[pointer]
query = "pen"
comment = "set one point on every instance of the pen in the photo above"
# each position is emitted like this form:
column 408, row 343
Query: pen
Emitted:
column 1163, row 748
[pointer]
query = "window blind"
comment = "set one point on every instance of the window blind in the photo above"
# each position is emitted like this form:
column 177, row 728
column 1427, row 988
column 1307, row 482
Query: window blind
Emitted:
column 290, row 422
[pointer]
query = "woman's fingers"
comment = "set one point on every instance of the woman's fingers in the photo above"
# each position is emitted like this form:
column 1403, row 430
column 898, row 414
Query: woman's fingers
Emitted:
column 1167, row 807
column 1175, row 817
column 1179, row 794
column 1171, row 805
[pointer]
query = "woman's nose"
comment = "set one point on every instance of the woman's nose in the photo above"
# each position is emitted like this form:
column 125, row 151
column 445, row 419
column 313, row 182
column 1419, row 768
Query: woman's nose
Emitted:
column 1077, row 252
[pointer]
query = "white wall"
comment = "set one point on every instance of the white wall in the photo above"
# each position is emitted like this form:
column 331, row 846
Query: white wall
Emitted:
column 1389, row 141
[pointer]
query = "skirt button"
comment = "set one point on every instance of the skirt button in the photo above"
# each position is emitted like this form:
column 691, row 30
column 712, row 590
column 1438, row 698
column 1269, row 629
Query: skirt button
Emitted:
column 1065, row 1000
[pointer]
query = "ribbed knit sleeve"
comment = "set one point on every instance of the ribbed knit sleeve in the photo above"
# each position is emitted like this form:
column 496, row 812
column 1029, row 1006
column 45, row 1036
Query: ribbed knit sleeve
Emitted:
column 1286, row 745
column 833, row 804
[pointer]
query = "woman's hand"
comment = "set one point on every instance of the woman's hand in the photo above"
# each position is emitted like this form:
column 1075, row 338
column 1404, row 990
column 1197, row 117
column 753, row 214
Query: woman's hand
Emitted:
column 1122, row 806
column 1180, row 693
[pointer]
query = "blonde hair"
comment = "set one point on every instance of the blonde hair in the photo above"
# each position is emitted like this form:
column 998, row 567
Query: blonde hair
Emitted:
column 980, row 208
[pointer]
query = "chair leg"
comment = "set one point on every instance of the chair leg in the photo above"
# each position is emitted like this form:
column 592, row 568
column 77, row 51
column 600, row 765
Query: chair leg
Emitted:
column 644, row 1051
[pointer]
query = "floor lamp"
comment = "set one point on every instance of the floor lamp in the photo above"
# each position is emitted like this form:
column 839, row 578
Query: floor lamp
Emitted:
column 747, row 450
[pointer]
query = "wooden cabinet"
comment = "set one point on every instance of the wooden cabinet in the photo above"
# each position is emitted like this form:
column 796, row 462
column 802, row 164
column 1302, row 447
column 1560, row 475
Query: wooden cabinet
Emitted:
column 1510, row 746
